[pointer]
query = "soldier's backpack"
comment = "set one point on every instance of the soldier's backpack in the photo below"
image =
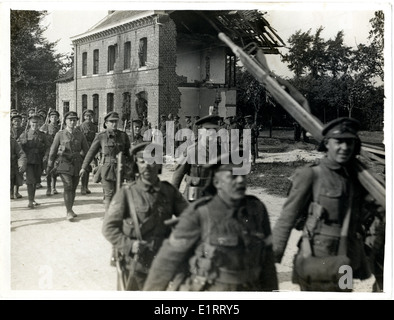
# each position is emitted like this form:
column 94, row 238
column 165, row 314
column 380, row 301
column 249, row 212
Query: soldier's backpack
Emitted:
column 317, row 269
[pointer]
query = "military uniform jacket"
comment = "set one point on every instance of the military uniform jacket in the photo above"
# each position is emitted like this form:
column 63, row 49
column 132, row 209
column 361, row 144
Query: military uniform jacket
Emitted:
column 35, row 144
column 110, row 143
column 334, row 198
column 68, row 149
column 196, row 174
column 221, row 243
column 89, row 130
column 50, row 129
column 16, row 132
column 153, row 204
column 18, row 157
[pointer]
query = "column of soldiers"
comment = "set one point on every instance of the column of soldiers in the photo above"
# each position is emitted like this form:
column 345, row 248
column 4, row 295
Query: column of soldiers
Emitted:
column 215, row 237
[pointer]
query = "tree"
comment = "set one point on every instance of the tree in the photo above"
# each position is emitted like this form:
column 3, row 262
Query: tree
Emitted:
column 34, row 64
column 337, row 80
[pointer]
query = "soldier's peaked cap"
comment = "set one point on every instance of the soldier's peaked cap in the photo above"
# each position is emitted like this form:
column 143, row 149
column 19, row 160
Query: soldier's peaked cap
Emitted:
column 35, row 117
column 210, row 121
column 88, row 111
column 70, row 115
column 341, row 128
column 54, row 112
column 16, row 116
column 111, row 116
column 138, row 150
column 225, row 161
column 137, row 122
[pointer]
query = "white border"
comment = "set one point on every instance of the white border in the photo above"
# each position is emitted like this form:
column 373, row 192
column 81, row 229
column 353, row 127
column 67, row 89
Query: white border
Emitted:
column 6, row 293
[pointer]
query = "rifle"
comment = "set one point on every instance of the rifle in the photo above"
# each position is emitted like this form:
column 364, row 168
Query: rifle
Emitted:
column 47, row 117
column 258, row 68
column 132, row 130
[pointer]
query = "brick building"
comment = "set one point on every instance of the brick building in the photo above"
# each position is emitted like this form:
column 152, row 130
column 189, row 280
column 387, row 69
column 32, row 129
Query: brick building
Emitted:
column 163, row 61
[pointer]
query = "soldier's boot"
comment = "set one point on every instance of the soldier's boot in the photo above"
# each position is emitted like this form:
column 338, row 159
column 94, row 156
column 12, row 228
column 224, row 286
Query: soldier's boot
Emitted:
column 83, row 184
column 12, row 193
column 68, row 203
column 17, row 194
column 72, row 203
column 35, row 203
column 30, row 194
column 49, row 187
column 87, row 182
column 54, row 185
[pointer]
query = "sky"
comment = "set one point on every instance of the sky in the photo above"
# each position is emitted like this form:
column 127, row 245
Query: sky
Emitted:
column 286, row 20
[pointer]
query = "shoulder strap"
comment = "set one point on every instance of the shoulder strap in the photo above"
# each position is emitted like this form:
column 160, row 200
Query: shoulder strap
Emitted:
column 316, row 183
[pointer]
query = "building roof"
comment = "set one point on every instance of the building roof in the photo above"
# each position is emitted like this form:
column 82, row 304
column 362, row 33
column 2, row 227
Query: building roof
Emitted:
column 68, row 76
column 242, row 26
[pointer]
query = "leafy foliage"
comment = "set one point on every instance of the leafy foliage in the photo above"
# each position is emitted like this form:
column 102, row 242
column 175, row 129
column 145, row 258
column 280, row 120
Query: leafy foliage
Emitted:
column 336, row 79
column 34, row 64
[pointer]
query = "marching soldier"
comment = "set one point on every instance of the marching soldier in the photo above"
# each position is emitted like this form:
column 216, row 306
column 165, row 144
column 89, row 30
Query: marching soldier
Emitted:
column 13, row 112
column 31, row 112
column 222, row 242
column 196, row 174
column 51, row 128
column 111, row 141
column 249, row 124
column 134, row 223
column 68, row 149
column 138, row 137
column 16, row 131
column 18, row 167
column 36, row 146
column 89, row 129
column 24, row 120
column 16, row 126
column 326, row 202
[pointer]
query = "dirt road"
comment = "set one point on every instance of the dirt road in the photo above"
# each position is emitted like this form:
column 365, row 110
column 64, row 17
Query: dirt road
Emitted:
column 55, row 256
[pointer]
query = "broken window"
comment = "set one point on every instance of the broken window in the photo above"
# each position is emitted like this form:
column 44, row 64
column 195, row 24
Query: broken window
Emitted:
column 126, row 106
column 127, row 55
column 142, row 51
column 95, row 61
column 207, row 68
column 230, row 70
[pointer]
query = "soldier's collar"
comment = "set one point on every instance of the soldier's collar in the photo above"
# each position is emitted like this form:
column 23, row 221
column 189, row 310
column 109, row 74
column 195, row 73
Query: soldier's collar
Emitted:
column 147, row 186
column 333, row 165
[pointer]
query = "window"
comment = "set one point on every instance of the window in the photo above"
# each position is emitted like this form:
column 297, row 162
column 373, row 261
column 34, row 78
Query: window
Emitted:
column 207, row 68
column 95, row 107
column 127, row 55
column 110, row 102
column 142, row 51
column 126, row 106
column 66, row 107
column 84, row 63
column 95, row 61
column 84, row 102
column 111, row 57
column 230, row 70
